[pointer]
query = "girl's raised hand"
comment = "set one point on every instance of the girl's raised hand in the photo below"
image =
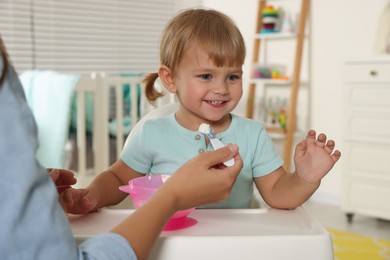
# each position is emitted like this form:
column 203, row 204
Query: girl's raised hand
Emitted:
column 314, row 158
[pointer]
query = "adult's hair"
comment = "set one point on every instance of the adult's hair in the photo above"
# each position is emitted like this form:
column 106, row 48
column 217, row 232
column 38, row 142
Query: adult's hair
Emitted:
column 4, row 59
column 212, row 31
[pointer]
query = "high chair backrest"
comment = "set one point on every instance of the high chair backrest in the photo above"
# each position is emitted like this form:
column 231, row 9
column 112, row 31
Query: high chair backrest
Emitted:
column 159, row 111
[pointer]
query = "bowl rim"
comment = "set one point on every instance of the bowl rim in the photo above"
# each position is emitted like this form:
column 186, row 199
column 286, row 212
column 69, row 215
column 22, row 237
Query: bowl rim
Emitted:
column 131, row 182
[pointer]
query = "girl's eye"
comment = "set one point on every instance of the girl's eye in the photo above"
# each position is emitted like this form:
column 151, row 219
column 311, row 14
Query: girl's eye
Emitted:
column 205, row 76
column 233, row 77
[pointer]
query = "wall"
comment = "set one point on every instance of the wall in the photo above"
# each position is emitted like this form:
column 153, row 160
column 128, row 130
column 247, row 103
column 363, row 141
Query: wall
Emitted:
column 182, row 4
column 349, row 33
column 340, row 30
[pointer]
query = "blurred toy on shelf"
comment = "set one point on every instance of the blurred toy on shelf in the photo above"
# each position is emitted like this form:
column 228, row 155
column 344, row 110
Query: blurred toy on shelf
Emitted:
column 270, row 71
column 274, row 113
column 288, row 26
column 270, row 19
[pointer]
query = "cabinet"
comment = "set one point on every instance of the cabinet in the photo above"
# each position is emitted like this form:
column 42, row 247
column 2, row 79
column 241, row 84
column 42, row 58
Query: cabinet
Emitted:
column 292, row 83
column 366, row 136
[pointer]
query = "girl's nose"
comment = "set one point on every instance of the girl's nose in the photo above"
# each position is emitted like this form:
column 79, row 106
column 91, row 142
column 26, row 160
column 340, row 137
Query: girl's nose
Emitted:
column 221, row 88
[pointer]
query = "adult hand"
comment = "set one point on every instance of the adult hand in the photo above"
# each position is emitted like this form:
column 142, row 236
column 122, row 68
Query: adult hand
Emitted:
column 62, row 178
column 204, row 179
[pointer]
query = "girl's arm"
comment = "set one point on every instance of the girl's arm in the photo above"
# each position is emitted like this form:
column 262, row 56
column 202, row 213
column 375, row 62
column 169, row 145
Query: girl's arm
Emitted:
column 313, row 158
column 103, row 190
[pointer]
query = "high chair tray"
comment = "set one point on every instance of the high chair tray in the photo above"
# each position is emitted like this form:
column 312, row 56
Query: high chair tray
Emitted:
column 227, row 234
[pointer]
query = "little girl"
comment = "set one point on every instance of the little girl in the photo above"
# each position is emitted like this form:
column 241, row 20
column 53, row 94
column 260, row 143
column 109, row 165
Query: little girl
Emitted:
column 202, row 53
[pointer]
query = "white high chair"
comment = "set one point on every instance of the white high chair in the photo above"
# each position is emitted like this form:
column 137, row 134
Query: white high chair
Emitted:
column 259, row 231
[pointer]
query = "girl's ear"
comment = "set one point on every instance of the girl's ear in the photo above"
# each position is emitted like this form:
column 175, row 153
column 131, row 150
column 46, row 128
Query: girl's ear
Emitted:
column 166, row 76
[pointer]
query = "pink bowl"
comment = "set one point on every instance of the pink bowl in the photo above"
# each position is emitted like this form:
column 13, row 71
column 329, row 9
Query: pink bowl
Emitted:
column 142, row 188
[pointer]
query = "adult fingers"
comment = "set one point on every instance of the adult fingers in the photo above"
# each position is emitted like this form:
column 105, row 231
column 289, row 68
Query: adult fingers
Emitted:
column 221, row 155
column 236, row 168
column 54, row 173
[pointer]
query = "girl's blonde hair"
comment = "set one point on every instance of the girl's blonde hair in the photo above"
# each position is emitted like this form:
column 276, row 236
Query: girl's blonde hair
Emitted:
column 214, row 32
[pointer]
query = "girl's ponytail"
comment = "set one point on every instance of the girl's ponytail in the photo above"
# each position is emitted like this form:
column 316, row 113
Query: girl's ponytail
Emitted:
column 150, row 92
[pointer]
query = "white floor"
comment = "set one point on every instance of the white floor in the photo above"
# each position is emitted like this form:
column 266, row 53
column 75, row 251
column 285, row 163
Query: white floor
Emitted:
column 331, row 216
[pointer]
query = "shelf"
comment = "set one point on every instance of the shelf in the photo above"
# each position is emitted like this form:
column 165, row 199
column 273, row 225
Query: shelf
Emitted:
column 300, row 36
column 280, row 136
column 277, row 36
column 282, row 1
column 275, row 82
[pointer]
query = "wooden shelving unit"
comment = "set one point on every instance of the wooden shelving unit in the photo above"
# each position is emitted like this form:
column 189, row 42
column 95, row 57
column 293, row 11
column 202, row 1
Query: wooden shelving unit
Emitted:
column 294, row 82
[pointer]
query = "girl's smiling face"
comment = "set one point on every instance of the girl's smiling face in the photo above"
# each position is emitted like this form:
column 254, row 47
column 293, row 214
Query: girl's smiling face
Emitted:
column 207, row 93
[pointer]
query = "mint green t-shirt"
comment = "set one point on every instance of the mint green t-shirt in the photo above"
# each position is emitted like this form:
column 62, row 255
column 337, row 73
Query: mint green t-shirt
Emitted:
column 162, row 145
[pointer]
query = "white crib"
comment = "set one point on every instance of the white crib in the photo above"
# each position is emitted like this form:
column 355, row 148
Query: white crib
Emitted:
column 101, row 87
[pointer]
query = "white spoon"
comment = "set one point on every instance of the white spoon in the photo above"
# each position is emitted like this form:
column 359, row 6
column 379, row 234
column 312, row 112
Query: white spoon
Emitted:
column 206, row 130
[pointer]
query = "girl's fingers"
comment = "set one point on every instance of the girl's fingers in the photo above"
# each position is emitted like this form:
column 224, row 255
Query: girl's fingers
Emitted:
column 311, row 136
column 330, row 146
column 321, row 140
